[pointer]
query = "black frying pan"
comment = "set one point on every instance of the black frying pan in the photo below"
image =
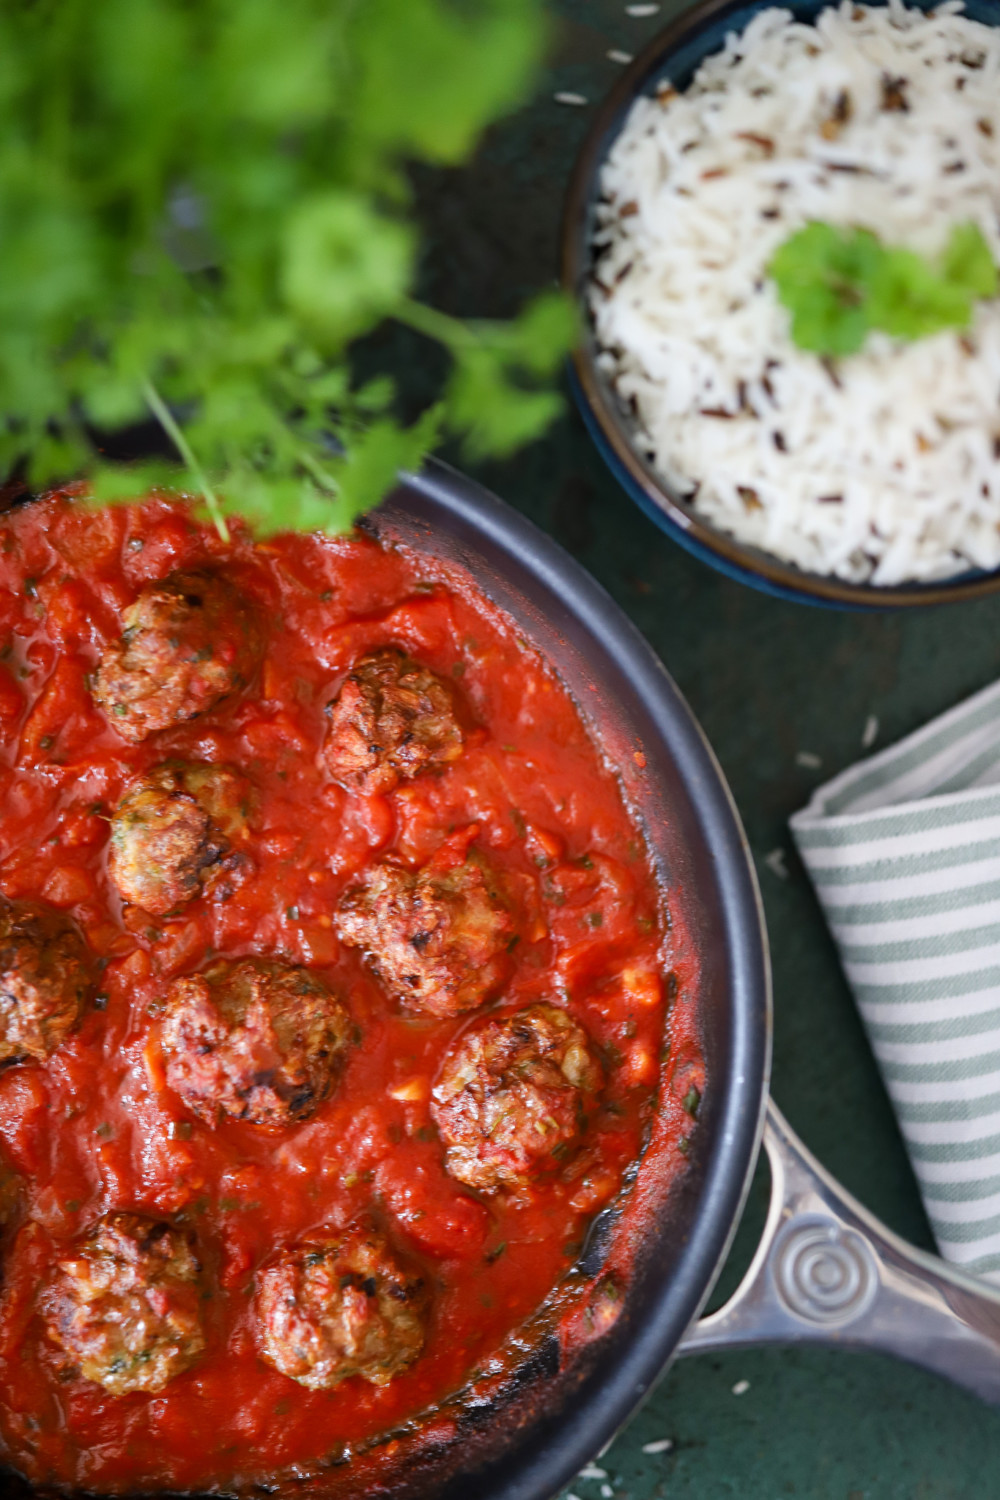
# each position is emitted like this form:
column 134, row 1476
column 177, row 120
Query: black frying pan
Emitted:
column 529, row 1437
column 826, row 1271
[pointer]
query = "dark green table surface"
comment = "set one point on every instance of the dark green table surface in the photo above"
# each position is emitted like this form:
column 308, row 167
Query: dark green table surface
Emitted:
column 768, row 681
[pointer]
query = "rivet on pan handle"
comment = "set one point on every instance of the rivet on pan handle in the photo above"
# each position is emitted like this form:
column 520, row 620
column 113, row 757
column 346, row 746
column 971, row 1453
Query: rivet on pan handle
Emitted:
column 826, row 1271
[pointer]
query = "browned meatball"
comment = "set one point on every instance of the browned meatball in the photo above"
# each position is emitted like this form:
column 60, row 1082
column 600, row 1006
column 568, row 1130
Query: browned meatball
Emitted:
column 438, row 939
column 391, row 720
column 189, row 641
column 46, row 974
column 252, row 1040
column 124, row 1304
column 339, row 1307
column 510, row 1097
column 172, row 832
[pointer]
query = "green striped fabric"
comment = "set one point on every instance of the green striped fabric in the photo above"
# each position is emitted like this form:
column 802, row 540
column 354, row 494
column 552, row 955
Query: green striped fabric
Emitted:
column 904, row 852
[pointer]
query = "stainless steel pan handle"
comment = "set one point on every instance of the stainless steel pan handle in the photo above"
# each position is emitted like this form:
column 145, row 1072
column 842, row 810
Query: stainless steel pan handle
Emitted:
column 826, row 1271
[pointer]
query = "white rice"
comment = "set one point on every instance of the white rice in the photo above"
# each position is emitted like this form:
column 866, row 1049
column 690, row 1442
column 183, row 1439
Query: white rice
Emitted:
column 885, row 467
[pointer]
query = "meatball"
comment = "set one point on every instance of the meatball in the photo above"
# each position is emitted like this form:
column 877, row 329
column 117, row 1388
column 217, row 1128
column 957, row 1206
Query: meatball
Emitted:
column 124, row 1305
column 46, row 976
column 391, row 720
column 189, row 641
column 171, row 833
column 509, row 1100
column 438, row 939
column 339, row 1307
column 252, row 1040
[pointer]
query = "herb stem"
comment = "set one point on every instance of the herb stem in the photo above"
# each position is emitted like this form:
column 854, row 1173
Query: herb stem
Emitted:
column 323, row 479
column 165, row 418
column 437, row 325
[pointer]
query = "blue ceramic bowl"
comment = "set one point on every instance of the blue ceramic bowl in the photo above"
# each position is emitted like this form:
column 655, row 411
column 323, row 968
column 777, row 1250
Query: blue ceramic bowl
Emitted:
column 674, row 56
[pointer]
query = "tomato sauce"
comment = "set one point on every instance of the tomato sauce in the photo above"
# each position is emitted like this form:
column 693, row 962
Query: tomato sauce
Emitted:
column 96, row 1128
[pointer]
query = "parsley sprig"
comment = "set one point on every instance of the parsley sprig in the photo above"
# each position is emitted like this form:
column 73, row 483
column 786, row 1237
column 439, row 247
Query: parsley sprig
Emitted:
column 204, row 206
column 839, row 284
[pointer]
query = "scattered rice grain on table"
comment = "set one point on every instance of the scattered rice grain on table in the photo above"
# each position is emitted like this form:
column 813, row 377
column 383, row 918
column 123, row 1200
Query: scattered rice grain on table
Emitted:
column 887, row 466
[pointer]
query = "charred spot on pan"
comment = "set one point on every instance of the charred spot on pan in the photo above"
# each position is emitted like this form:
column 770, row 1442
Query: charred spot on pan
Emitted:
column 542, row 1364
column 597, row 1242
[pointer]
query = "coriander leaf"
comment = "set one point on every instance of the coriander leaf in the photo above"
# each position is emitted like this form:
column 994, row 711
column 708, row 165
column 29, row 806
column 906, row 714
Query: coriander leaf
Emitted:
column 53, row 453
column 824, row 276
column 492, row 401
column 968, row 263
column 494, row 413
column 344, row 264
column 910, row 300
column 110, row 483
column 839, row 283
column 537, row 340
column 111, row 400
column 374, row 459
column 276, row 501
column 276, row 73
column 375, row 395
column 429, row 74
column 203, row 206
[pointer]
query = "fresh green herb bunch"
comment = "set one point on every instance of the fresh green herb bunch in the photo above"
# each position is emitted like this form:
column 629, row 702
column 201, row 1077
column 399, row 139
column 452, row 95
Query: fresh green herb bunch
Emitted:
column 838, row 284
column 203, row 203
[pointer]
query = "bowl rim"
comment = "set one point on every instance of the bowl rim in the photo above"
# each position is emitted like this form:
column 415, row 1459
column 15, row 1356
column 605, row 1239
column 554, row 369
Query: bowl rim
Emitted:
column 653, row 493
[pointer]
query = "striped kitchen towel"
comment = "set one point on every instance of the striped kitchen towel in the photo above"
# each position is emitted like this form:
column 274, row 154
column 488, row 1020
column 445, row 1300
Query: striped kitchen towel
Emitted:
column 904, row 852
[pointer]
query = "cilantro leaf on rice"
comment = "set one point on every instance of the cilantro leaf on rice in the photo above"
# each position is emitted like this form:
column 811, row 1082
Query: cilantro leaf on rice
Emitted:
column 967, row 261
column 824, row 277
column 839, row 284
column 909, row 299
